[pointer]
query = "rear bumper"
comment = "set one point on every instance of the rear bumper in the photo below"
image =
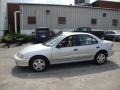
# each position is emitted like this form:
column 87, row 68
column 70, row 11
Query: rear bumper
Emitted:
column 21, row 62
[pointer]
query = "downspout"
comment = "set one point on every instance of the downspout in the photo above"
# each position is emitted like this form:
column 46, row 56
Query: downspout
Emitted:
column 15, row 20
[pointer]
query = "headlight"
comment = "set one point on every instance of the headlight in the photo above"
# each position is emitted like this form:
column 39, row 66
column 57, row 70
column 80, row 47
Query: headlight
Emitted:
column 20, row 55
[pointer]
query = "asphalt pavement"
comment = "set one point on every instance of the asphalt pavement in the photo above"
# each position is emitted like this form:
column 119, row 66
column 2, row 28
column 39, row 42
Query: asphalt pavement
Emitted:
column 72, row 76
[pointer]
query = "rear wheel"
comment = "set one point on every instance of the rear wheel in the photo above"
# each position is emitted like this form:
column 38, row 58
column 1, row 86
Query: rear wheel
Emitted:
column 100, row 58
column 38, row 64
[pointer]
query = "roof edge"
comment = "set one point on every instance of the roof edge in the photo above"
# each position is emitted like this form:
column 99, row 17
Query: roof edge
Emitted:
column 65, row 6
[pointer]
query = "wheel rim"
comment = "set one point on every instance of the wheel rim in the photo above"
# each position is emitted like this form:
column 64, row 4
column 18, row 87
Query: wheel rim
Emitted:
column 39, row 64
column 101, row 58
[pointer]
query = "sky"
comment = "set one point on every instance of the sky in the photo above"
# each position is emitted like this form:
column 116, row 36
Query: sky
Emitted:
column 53, row 1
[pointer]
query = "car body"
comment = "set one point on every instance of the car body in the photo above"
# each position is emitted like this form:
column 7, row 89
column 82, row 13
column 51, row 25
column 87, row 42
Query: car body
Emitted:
column 43, row 34
column 112, row 37
column 63, row 48
column 112, row 32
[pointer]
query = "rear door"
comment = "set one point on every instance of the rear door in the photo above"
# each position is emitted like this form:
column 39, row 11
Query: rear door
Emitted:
column 88, row 46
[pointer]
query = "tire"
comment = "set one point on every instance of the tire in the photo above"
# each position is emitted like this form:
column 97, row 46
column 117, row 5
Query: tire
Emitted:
column 38, row 64
column 100, row 58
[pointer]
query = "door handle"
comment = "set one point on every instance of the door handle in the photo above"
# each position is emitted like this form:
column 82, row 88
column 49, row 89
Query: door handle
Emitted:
column 97, row 47
column 75, row 49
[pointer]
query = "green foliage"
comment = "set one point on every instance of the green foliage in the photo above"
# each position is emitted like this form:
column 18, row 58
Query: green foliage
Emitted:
column 6, row 32
column 8, row 37
column 13, row 37
column 27, row 38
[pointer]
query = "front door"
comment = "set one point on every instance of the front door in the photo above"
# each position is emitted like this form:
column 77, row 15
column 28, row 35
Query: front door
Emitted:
column 65, row 51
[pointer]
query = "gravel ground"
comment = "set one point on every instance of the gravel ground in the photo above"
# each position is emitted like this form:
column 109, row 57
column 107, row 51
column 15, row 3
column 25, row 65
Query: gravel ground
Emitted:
column 74, row 76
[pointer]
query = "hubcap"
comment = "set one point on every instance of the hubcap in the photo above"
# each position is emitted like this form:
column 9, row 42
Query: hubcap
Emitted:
column 101, row 58
column 39, row 64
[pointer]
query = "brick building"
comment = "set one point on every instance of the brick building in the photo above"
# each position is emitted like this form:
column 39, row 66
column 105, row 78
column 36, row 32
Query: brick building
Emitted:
column 106, row 4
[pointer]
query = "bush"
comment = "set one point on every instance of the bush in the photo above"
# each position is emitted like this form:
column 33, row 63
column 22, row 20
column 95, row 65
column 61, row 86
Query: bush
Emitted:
column 27, row 38
column 7, row 37
column 13, row 37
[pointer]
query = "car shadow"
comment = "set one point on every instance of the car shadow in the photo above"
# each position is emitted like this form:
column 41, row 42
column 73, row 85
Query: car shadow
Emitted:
column 65, row 70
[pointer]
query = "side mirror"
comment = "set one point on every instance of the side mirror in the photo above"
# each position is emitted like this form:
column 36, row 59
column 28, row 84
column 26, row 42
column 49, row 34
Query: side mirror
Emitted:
column 59, row 45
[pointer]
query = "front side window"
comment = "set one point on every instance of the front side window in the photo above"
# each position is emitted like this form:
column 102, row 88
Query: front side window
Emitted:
column 69, row 41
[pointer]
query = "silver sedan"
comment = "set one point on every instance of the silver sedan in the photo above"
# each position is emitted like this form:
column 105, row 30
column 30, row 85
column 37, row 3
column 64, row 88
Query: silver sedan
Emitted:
column 63, row 48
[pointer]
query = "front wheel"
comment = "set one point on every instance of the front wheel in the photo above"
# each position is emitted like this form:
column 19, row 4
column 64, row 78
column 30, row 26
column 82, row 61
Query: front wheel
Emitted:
column 100, row 58
column 38, row 64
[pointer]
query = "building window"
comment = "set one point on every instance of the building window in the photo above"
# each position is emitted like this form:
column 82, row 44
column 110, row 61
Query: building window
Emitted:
column 104, row 14
column 61, row 20
column 94, row 21
column 31, row 20
column 114, row 22
column 47, row 11
column 79, row 1
column 76, row 1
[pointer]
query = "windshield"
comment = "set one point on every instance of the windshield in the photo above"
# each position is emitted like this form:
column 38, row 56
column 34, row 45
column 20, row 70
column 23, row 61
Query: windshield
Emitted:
column 53, row 40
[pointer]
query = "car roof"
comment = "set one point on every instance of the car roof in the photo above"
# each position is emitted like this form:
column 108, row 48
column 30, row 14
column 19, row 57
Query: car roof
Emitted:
column 74, row 33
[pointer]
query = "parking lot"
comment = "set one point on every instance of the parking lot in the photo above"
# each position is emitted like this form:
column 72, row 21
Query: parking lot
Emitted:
column 74, row 76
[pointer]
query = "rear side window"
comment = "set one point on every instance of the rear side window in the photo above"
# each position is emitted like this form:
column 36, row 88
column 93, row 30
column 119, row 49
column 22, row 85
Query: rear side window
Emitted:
column 87, row 40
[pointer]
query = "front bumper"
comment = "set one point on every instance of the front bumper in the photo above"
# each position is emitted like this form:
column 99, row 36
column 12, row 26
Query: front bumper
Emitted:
column 20, row 61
